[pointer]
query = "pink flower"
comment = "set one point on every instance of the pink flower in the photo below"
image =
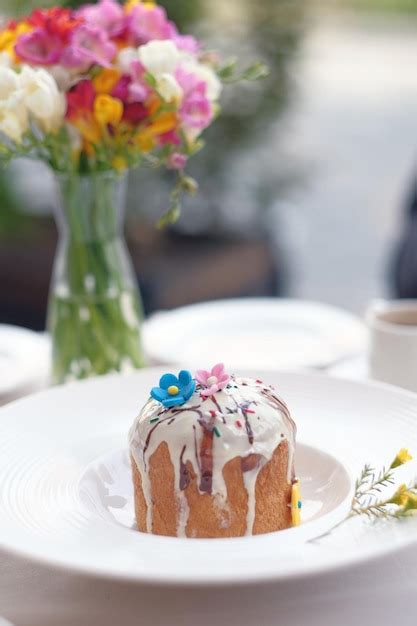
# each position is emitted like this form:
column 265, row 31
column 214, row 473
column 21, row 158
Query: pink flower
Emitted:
column 121, row 89
column 145, row 24
column 212, row 381
column 89, row 45
column 188, row 43
column 107, row 15
column 39, row 47
column 176, row 161
column 196, row 110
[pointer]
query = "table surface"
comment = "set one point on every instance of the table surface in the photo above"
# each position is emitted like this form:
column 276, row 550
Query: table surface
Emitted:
column 380, row 591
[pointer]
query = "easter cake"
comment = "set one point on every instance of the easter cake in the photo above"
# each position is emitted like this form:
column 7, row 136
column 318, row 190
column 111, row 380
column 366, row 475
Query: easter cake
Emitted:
column 213, row 456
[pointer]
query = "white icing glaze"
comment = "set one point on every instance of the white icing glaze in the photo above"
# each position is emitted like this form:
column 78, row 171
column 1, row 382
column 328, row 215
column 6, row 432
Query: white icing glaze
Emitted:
column 250, row 418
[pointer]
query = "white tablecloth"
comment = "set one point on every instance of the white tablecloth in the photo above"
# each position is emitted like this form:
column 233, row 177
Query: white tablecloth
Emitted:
column 382, row 592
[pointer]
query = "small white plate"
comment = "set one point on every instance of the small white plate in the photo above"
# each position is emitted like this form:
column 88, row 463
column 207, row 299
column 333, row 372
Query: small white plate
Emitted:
column 64, row 486
column 24, row 361
column 259, row 333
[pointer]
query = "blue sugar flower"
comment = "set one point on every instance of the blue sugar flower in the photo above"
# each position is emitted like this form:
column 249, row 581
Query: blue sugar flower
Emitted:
column 173, row 391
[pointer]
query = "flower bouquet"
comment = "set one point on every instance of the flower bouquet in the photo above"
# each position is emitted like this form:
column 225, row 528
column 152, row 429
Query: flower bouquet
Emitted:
column 93, row 92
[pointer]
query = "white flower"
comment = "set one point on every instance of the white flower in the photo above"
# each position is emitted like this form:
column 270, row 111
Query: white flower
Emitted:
column 168, row 87
column 5, row 59
column 159, row 57
column 206, row 74
column 125, row 59
column 13, row 114
column 44, row 102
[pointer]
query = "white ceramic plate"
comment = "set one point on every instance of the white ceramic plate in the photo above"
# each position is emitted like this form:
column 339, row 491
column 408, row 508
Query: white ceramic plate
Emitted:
column 65, row 494
column 271, row 333
column 24, row 360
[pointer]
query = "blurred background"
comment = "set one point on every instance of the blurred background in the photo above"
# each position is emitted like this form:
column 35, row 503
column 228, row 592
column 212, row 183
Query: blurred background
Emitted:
column 305, row 182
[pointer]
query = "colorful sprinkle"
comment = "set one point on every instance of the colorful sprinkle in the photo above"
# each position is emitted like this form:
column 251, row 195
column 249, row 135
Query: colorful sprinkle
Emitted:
column 154, row 419
column 238, row 424
column 212, row 413
column 216, row 431
column 248, row 411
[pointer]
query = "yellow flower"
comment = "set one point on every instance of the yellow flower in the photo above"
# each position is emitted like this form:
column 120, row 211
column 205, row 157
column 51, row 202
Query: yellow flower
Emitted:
column 400, row 497
column 108, row 110
column 402, row 457
column 131, row 4
column 9, row 37
column 144, row 140
column 106, row 81
column 88, row 128
column 119, row 163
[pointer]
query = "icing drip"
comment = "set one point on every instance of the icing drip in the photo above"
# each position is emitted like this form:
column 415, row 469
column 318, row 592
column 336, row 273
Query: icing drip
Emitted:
column 245, row 419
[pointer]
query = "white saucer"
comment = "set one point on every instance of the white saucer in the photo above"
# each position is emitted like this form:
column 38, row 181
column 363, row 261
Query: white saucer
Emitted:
column 271, row 333
column 24, row 361
column 64, row 488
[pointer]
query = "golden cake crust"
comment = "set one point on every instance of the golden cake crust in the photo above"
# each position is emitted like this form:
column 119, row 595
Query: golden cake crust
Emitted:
column 206, row 519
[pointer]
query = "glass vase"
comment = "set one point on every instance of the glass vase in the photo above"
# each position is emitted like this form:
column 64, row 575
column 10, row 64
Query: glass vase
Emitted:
column 95, row 313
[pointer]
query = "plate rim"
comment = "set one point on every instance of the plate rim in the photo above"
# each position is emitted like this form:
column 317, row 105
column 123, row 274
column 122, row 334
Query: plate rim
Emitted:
column 157, row 355
column 181, row 580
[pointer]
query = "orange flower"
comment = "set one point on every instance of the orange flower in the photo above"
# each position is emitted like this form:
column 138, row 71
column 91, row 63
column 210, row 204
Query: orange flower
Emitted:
column 106, row 81
column 163, row 124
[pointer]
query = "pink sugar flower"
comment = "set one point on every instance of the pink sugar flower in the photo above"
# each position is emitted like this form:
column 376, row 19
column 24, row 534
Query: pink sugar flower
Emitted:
column 89, row 45
column 145, row 24
column 212, row 381
column 196, row 110
column 106, row 14
column 39, row 47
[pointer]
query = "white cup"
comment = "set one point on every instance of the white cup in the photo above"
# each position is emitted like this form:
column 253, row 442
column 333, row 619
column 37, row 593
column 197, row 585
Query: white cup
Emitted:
column 393, row 342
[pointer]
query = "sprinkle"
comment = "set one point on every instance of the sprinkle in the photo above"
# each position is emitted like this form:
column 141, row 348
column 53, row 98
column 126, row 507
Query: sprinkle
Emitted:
column 299, row 504
column 238, row 424
column 217, row 431
column 212, row 413
column 154, row 419
column 248, row 411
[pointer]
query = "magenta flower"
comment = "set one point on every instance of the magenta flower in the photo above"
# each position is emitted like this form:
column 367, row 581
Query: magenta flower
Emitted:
column 145, row 24
column 39, row 47
column 106, row 14
column 89, row 45
column 196, row 110
column 212, row 381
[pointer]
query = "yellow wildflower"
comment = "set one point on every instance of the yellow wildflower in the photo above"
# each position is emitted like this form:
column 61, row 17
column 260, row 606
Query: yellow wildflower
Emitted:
column 411, row 503
column 402, row 457
column 400, row 497
column 108, row 110
column 119, row 163
column 106, row 80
